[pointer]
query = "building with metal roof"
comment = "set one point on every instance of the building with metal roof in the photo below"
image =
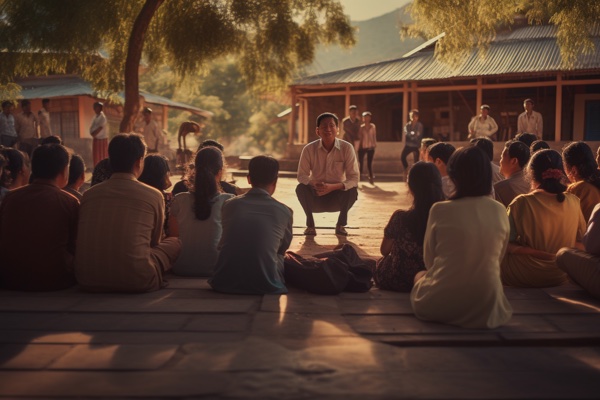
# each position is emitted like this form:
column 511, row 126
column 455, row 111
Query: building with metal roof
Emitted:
column 524, row 62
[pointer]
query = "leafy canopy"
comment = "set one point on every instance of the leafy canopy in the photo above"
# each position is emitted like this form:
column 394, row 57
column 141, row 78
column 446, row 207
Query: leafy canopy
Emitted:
column 271, row 38
column 468, row 23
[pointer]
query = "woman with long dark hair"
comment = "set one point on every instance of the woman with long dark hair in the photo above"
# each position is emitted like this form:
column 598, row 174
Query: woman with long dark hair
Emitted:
column 402, row 244
column 156, row 173
column 542, row 221
column 582, row 170
column 465, row 240
column 196, row 216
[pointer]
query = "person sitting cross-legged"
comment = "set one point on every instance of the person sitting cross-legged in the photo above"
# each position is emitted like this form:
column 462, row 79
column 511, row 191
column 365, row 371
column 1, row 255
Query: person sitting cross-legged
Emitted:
column 328, row 175
column 119, row 243
column 38, row 227
column 257, row 231
column 465, row 240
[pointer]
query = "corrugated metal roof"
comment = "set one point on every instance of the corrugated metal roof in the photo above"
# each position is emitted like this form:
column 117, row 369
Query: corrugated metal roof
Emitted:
column 531, row 49
column 72, row 85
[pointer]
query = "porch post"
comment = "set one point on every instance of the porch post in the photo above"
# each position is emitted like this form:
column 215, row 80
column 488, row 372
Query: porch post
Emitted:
column 558, row 115
column 479, row 95
column 404, row 108
column 292, row 122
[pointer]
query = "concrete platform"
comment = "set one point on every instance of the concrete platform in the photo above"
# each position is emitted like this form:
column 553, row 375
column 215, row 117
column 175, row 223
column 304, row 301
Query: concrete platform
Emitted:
column 188, row 342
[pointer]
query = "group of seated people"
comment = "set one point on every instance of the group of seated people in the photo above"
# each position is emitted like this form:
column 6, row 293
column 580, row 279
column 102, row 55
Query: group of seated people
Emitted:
column 462, row 240
column 467, row 233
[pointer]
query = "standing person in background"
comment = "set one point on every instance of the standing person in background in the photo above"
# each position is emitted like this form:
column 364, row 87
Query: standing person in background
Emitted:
column 413, row 133
column 152, row 133
column 351, row 126
column 26, row 127
column 530, row 121
column 99, row 131
column 44, row 119
column 8, row 134
column 368, row 142
column 483, row 125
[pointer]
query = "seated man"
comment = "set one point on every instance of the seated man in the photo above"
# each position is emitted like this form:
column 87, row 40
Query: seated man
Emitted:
column 583, row 267
column 257, row 230
column 487, row 146
column 512, row 161
column 76, row 176
column 38, row 227
column 119, row 246
column 328, row 175
column 439, row 154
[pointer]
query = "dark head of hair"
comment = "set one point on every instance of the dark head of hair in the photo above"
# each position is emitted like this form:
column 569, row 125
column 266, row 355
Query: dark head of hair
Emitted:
column 49, row 160
column 99, row 104
column 263, row 171
column 538, row 145
column 76, row 168
column 15, row 162
column 441, row 150
column 147, row 110
column 518, row 150
column 427, row 142
column 156, row 169
column 51, row 140
column 2, row 161
column 208, row 163
column 528, row 101
column 413, row 112
column 526, row 138
column 328, row 115
column 352, row 107
column 124, row 150
column 546, row 168
column 7, row 103
column 425, row 184
column 581, row 156
column 102, row 172
column 25, row 103
column 471, row 171
column 213, row 143
column 486, row 145
column 45, row 102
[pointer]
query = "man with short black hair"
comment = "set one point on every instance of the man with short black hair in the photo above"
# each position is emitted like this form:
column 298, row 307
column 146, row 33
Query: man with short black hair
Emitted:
column 514, row 158
column 119, row 243
column 351, row 126
column 38, row 227
column 328, row 175
column 439, row 154
column 257, row 231
column 151, row 131
column 8, row 134
column 530, row 121
column 486, row 144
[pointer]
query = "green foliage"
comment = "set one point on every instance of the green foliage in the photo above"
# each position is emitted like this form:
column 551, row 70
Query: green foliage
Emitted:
column 272, row 38
column 468, row 23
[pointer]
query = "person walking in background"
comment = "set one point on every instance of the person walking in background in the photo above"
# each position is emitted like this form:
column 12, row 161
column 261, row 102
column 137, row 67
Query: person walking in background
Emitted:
column 413, row 133
column 152, row 132
column 8, row 134
column 351, row 126
column 44, row 119
column 483, row 125
column 368, row 142
column 530, row 121
column 26, row 126
column 99, row 131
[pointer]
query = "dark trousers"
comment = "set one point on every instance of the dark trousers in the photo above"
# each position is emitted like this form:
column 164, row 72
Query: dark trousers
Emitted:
column 361, row 156
column 8, row 141
column 339, row 200
column 406, row 151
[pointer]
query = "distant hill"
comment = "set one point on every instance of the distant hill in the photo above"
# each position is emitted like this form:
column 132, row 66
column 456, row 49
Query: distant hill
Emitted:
column 378, row 39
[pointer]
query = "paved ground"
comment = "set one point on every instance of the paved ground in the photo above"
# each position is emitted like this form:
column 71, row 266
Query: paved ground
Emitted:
column 189, row 342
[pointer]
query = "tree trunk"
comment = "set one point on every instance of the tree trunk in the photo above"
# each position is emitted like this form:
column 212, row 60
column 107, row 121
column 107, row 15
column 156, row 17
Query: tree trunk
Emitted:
column 132, row 64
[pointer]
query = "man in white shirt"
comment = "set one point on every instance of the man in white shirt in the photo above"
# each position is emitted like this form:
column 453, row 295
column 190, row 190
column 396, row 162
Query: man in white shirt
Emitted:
column 530, row 121
column 483, row 125
column 44, row 119
column 99, row 131
column 328, row 175
column 152, row 133
column 8, row 134
column 26, row 126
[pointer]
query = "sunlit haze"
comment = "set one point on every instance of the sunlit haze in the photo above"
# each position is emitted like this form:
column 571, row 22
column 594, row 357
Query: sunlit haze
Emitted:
column 360, row 10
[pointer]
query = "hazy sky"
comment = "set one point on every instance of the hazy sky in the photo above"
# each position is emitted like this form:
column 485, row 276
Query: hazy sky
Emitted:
column 360, row 10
